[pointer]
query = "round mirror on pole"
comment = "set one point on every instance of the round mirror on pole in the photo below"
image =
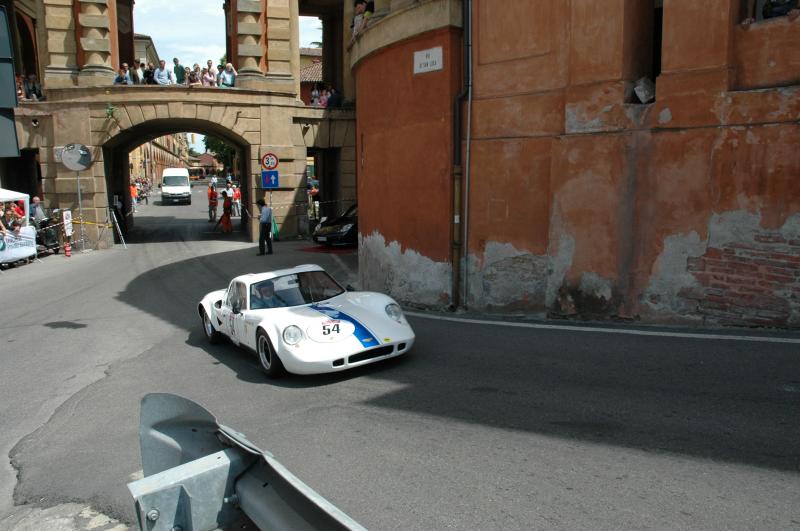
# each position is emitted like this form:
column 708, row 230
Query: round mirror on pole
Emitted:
column 77, row 158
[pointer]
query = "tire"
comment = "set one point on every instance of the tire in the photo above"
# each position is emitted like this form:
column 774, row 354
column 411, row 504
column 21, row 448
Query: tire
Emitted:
column 267, row 357
column 208, row 328
column 190, row 202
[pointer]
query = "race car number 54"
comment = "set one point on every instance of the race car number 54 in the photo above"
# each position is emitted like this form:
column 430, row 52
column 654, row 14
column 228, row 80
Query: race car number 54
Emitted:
column 328, row 329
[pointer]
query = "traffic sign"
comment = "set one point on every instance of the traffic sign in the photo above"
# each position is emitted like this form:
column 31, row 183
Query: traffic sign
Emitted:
column 270, row 179
column 269, row 161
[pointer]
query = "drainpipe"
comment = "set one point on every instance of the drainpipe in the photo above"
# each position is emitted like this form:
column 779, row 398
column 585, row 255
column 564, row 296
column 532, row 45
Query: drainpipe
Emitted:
column 460, row 216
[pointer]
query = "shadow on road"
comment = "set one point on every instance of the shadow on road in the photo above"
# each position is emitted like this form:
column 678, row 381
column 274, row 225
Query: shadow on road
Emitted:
column 721, row 400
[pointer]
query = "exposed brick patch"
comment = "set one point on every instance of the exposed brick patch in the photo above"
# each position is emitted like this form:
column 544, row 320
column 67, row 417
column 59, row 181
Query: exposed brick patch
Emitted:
column 748, row 283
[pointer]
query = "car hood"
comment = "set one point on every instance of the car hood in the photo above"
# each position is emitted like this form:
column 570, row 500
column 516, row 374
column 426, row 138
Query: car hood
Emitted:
column 359, row 314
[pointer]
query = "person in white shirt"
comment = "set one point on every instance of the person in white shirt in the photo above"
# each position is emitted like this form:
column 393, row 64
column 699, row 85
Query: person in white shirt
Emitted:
column 163, row 75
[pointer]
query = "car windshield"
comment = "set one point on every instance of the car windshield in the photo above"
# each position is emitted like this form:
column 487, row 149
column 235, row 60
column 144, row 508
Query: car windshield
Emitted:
column 176, row 180
column 293, row 290
column 351, row 212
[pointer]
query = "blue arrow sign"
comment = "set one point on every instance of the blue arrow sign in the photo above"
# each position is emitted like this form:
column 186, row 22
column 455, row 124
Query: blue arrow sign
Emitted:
column 270, row 179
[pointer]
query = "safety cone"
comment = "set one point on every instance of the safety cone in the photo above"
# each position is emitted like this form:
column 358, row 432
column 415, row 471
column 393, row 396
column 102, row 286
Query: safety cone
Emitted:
column 67, row 250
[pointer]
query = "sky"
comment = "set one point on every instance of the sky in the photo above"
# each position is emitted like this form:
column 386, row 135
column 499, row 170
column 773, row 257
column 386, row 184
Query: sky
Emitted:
column 194, row 31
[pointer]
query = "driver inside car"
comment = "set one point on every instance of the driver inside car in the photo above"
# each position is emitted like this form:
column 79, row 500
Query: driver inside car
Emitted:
column 263, row 296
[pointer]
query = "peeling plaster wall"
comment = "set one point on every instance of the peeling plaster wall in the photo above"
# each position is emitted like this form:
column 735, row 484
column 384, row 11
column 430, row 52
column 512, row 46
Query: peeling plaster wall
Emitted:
column 406, row 275
column 584, row 203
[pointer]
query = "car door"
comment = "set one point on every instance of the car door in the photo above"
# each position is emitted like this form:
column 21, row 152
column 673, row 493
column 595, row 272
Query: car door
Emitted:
column 238, row 318
column 226, row 311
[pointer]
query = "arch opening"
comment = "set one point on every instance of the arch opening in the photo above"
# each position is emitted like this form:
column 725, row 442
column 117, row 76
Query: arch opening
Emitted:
column 143, row 151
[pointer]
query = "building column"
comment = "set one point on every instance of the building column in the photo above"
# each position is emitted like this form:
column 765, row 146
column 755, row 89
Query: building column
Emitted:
column 95, row 42
column 57, row 36
column 283, row 46
column 251, row 46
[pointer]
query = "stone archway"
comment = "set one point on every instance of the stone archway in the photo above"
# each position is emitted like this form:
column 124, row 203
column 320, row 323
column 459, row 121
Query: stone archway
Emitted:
column 116, row 157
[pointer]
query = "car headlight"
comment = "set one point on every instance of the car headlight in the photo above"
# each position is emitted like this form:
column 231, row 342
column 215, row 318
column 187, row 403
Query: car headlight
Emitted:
column 346, row 228
column 394, row 311
column 292, row 334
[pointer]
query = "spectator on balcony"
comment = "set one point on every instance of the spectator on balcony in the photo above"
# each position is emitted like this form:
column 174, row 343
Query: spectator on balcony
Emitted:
column 772, row 9
column 193, row 81
column 210, row 66
column 20, row 90
column 323, row 97
column 334, row 99
column 32, row 88
column 220, row 69
column 122, row 77
column 180, row 72
column 208, row 78
column 149, row 74
column 227, row 78
column 138, row 73
column 315, row 95
column 363, row 12
column 162, row 75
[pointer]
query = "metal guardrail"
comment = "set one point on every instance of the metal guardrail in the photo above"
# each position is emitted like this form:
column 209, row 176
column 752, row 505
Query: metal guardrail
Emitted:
column 200, row 475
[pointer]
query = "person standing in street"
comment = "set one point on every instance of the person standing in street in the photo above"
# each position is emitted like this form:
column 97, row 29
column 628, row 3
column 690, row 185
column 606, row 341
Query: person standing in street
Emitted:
column 237, row 201
column 134, row 196
column 212, row 202
column 264, row 228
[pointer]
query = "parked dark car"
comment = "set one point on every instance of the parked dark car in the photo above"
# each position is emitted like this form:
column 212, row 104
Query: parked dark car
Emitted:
column 339, row 231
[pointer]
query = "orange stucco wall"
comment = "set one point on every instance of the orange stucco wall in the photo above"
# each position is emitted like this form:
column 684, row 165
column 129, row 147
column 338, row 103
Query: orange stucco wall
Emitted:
column 404, row 147
column 684, row 209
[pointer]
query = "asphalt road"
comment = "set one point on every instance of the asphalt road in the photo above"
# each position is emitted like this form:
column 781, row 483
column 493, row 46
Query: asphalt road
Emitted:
column 482, row 426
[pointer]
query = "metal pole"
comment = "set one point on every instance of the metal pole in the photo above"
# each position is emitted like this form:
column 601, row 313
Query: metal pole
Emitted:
column 116, row 226
column 80, row 212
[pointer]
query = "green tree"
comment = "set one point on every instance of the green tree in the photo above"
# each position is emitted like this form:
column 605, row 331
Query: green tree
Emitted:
column 223, row 151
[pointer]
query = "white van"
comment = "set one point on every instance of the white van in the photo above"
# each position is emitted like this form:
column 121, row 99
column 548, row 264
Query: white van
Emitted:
column 175, row 186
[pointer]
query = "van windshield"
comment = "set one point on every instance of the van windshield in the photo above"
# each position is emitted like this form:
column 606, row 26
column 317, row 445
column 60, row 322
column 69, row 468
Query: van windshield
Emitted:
column 176, row 180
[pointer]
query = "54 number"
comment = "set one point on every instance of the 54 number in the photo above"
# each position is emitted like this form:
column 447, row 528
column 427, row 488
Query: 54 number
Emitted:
column 330, row 329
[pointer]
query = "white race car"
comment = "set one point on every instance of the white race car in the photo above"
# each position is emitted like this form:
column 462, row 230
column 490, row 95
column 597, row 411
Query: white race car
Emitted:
column 302, row 321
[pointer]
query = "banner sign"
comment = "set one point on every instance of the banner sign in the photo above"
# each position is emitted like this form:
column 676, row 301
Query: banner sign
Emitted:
column 18, row 246
column 67, row 217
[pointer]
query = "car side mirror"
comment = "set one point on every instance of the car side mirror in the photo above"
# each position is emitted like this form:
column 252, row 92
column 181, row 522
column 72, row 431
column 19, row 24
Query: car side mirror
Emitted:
column 237, row 308
column 349, row 288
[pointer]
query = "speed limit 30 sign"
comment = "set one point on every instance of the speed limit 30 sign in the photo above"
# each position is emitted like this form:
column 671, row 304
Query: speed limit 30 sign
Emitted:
column 269, row 161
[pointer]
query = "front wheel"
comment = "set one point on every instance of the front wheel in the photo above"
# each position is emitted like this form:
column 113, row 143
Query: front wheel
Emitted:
column 268, row 359
column 212, row 335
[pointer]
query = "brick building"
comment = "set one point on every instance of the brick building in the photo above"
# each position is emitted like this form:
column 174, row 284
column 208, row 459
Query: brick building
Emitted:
column 564, row 193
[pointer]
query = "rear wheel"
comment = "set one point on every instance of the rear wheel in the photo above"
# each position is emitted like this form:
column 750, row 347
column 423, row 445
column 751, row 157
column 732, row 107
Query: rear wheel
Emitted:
column 267, row 358
column 212, row 335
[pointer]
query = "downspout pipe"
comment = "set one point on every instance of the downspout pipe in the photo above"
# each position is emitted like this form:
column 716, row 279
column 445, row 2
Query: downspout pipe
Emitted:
column 459, row 214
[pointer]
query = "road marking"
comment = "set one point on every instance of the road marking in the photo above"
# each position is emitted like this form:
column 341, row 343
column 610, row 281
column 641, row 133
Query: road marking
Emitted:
column 623, row 331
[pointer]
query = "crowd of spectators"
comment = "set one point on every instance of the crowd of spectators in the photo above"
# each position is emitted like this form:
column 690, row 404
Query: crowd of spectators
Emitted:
column 29, row 88
column 13, row 218
column 148, row 74
column 325, row 96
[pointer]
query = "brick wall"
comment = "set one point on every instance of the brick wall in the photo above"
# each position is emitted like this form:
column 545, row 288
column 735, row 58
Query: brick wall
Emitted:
column 748, row 284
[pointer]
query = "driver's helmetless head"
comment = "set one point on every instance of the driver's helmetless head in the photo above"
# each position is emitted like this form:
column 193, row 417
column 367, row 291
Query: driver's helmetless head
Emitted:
column 266, row 289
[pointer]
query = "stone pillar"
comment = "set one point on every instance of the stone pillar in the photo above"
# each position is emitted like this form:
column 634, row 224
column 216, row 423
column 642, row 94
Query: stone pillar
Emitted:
column 283, row 50
column 95, row 42
column 251, row 43
column 60, row 46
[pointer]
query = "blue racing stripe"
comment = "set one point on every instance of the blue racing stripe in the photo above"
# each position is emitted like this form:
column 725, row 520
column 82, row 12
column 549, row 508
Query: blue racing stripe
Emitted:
column 361, row 332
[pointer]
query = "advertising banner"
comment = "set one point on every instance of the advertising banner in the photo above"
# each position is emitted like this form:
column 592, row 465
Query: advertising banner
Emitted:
column 15, row 246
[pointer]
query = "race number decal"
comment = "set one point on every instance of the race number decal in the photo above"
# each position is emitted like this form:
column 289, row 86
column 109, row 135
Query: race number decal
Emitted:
column 330, row 331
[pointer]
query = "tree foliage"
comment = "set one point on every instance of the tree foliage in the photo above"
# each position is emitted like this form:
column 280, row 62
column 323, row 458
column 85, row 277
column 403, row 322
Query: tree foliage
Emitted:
column 222, row 151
